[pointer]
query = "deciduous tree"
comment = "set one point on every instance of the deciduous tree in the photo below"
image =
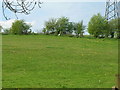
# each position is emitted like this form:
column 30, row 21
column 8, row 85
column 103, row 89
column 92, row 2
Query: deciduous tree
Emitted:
column 20, row 27
column 79, row 29
column 98, row 26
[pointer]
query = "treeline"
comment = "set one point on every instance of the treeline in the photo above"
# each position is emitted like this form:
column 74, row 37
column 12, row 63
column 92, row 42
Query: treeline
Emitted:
column 98, row 27
column 62, row 26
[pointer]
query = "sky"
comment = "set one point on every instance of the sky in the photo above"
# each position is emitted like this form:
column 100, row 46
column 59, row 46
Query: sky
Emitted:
column 74, row 10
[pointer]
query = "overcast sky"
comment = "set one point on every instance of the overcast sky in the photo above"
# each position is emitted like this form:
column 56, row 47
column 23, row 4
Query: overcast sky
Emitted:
column 75, row 11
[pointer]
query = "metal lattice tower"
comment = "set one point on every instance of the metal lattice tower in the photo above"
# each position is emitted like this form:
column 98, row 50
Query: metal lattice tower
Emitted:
column 112, row 9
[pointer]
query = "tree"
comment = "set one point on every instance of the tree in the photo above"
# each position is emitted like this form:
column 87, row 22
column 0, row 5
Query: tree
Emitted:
column 118, row 36
column 44, row 30
column 50, row 26
column 114, row 27
column 98, row 26
column 70, row 28
column 20, row 27
column 105, row 29
column 79, row 29
column 62, row 25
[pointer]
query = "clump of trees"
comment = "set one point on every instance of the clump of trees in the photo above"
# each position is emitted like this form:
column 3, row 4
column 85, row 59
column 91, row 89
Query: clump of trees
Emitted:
column 19, row 27
column 99, row 27
column 62, row 26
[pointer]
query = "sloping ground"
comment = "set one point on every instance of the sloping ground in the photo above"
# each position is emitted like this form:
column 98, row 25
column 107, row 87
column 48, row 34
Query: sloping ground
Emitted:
column 38, row 61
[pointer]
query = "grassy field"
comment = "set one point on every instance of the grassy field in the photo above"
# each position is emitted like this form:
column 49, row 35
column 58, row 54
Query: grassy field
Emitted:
column 40, row 61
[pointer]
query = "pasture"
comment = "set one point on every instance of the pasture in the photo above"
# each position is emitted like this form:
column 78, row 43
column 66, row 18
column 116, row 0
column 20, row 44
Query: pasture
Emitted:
column 41, row 61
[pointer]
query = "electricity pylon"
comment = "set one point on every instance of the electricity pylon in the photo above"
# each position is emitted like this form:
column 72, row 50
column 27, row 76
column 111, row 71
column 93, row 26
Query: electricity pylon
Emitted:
column 112, row 9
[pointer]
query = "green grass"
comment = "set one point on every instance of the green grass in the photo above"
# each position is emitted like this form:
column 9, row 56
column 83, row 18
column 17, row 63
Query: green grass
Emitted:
column 41, row 61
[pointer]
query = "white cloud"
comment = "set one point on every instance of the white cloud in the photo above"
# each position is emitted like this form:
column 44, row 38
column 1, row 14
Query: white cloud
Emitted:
column 8, row 23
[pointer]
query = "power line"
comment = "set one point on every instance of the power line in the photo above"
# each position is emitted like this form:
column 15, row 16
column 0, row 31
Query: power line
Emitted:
column 19, row 6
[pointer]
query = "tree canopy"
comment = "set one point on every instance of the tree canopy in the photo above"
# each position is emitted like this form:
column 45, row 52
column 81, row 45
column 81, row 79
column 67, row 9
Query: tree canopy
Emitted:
column 98, row 26
column 20, row 27
column 62, row 26
column 114, row 27
column 79, row 29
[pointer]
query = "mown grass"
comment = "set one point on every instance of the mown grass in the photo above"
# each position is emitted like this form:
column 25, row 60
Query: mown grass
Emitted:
column 40, row 61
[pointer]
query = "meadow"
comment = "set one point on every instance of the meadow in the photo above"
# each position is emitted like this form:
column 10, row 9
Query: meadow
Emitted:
column 41, row 61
